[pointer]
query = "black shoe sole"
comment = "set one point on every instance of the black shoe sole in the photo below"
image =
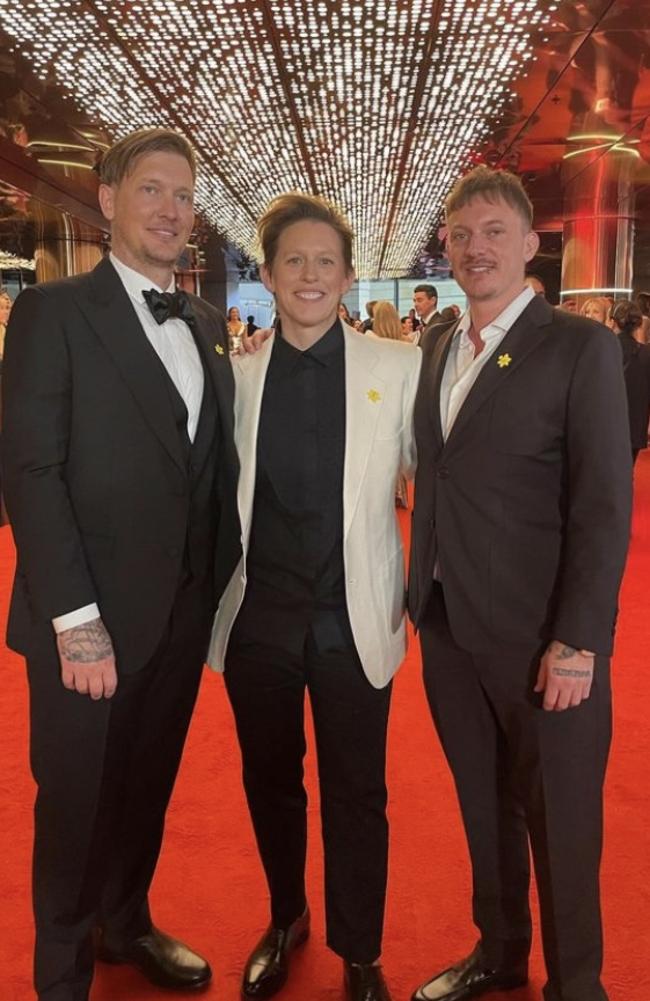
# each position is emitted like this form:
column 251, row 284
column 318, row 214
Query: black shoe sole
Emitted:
column 264, row 993
column 115, row 959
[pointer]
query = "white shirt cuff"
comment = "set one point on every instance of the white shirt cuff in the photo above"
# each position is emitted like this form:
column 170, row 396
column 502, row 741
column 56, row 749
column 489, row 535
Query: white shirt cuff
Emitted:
column 77, row 618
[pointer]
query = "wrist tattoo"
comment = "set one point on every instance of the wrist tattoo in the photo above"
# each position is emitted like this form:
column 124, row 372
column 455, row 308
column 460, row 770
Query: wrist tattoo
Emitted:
column 565, row 652
column 566, row 672
column 86, row 644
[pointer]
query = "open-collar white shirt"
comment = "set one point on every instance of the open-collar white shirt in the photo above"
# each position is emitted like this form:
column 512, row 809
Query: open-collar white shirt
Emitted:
column 462, row 368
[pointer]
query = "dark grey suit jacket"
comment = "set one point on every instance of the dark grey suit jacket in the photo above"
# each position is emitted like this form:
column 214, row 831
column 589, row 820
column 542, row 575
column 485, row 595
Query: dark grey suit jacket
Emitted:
column 526, row 506
column 94, row 476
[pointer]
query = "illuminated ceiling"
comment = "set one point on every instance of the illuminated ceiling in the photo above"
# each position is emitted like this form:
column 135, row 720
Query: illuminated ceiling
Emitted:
column 377, row 104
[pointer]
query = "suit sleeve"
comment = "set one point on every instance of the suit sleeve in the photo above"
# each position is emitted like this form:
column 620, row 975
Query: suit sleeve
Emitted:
column 36, row 413
column 409, row 454
column 599, row 490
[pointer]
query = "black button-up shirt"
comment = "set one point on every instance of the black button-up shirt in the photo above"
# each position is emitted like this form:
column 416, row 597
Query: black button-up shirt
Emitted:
column 295, row 555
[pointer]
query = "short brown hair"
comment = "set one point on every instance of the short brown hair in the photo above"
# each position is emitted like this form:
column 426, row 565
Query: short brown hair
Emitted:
column 294, row 206
column 484, row 182
column 118, row 161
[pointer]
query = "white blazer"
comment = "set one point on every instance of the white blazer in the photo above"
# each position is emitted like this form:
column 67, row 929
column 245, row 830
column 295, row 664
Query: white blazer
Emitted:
column 381, row 378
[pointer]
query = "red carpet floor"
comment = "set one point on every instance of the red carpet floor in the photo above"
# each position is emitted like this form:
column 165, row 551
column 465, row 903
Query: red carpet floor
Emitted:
column 209, row 887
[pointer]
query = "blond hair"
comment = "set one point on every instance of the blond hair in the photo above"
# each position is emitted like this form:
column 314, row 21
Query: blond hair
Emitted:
column 119, row 161
column 294, row 206
column 386, row 321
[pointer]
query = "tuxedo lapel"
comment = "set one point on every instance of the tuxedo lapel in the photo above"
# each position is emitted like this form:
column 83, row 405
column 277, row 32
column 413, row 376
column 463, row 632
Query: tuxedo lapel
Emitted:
column 364, row 396
column 527, row 332
column 109, row 312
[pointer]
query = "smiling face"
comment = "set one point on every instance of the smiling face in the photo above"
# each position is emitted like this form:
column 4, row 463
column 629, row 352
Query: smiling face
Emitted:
column 308, row 276
column 489, row 245
column 151, row 214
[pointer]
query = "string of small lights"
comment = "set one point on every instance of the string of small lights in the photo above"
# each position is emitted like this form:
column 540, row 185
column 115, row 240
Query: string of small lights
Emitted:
column 311, row 95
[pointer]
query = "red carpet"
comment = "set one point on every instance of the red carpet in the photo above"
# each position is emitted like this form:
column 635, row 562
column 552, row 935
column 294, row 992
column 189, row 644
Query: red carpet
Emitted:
column 209, row 887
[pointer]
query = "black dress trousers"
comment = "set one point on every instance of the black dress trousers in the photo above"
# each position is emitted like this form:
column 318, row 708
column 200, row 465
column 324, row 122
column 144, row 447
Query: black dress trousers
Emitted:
column 266, row 683
column 523, row 773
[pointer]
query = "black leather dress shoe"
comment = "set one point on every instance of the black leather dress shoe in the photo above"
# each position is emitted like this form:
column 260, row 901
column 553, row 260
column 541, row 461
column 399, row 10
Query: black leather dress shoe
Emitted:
column 268, row 964
column 163, row 960
column 364, row 983
column 470, row 978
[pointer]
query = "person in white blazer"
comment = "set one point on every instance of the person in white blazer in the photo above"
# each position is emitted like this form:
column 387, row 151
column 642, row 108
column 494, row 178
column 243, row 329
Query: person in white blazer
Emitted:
column 323, row 425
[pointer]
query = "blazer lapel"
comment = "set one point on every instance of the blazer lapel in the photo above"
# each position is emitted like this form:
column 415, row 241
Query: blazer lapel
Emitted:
column 436, row 370
column 109, row 312
column 526, row 333
column 250, row 377
column 364, row 394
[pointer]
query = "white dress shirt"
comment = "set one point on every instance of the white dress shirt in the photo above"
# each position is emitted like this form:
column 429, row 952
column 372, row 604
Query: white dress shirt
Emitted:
column 462, row 368
column 174, row 344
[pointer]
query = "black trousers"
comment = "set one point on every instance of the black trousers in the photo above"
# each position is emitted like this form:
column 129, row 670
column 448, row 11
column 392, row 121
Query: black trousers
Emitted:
column 105, row 772
column 523, row 773
column 266, row 684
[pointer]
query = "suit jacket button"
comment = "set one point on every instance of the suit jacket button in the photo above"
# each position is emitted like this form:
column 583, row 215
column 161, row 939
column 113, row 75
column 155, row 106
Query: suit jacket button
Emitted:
column 443, row 472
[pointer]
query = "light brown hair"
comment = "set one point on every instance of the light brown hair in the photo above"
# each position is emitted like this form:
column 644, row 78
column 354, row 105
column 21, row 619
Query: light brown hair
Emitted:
column 119, row 161
column 492, row 185
column 294, row 206
column 386, row 321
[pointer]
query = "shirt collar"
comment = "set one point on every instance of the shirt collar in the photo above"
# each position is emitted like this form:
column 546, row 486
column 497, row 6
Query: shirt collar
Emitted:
column 502, row 323
column 135, row 283
column 325, row 351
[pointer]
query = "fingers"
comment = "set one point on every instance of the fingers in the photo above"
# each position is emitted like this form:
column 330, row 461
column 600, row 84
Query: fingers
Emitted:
column 98, row 680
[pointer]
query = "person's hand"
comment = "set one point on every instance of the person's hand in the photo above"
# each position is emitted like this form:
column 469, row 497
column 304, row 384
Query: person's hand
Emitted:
column 87, row 660
column 249, row 345
column 565, row 676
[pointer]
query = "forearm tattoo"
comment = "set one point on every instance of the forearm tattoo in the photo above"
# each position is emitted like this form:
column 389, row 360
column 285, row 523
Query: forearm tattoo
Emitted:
column 86, row 644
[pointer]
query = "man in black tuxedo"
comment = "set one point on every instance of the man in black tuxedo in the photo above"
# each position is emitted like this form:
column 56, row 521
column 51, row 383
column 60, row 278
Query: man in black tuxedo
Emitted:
column 520, row 532
column 120, row 476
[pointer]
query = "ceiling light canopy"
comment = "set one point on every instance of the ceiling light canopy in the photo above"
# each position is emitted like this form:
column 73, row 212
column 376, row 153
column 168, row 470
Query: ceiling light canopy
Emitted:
column 376, row 104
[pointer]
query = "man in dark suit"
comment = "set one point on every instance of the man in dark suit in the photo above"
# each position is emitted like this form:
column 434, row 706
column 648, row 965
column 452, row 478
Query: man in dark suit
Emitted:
column 520, row 532
column 120, row 477
column 425, row 303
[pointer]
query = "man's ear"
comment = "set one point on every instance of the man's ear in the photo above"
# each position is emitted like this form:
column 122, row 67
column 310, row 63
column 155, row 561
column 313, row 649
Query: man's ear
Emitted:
column 267, row 280
column 531, row 246
column 106, row 195
column 350, row 279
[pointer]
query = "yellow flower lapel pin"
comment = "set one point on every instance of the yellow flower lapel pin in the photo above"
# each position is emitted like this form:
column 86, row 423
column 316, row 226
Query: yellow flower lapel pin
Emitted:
column 503, row 361
column 218, row 349
column 373, row 396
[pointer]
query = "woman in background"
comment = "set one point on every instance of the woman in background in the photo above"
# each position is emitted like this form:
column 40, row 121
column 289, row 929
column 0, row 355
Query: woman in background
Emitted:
column 596, row 308
column 626, row 320
column 387, row 324
column 236, row 329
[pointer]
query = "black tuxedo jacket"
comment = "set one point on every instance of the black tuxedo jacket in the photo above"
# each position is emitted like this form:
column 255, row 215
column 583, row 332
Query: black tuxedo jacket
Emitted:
column 525, row 508
column 95, row 479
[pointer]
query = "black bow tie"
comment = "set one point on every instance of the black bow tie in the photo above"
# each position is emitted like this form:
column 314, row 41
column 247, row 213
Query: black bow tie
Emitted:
column 167, row 305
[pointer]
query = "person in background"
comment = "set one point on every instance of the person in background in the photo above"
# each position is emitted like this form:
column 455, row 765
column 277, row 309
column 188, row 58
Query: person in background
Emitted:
column 519, row 536
column 386, row 322
column 425, row 303
column 626, row 319
column 568, row 306
column 251, row 326
column 367, row 324
column 5, row 310
column 344, row 314
column 323, row 425
column 643, row 302
column 596, row 308
column 536, row 283
column 236, row 329
column 407, row 328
